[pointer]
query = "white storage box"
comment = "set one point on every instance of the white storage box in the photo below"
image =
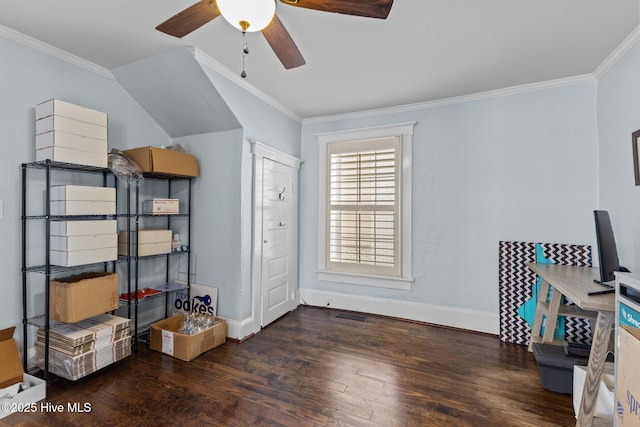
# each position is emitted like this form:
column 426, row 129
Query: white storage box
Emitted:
column 150, row 242
column 66, row 109
column 604, row 401
column 81, row 243
column 82, row 207
column 26, row 398
column 69, row 155
column 89, row 256
column 83, row 192
column 65, row 124
column 83, row 228
column 68, row 140
column 82, row 200
column 161, row 206
column 11, row 374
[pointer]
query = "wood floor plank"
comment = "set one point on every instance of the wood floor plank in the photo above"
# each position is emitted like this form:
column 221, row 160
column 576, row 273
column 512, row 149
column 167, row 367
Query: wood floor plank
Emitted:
column 311, row 368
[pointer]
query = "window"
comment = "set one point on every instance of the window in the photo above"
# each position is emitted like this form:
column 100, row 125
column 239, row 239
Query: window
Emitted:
column 363, row 206
column 364, row 233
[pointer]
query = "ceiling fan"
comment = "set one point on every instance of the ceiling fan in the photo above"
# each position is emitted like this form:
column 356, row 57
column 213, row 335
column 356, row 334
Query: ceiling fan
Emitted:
column 266, row 20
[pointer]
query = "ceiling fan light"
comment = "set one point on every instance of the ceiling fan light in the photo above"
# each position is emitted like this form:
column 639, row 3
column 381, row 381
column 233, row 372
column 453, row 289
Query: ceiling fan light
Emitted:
column 248, row 15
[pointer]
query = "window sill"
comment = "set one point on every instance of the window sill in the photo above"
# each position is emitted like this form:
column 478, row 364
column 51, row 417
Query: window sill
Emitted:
column 401, row 283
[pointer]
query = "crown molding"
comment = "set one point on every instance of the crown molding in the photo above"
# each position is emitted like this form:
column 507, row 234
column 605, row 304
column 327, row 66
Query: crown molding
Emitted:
column 618, row 53
column 216, row 66
column 514, row 90
column 46, row 48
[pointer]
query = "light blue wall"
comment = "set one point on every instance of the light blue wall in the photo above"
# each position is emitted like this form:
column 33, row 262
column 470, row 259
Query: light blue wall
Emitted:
column 515, row 167
column 618, row 117
column 28, row 77
column 223, row 208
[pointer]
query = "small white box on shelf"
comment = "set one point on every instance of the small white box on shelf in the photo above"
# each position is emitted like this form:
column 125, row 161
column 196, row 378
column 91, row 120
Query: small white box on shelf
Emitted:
column 83, row 228
column 65, row 124
column 150, row 242
column 82, row 200
column 82, row 243
column 83, row 192
column 89, row 256
column 68, row 140
column 82, row 207
column 73, row 111
column 161, row 206
column 69, row 155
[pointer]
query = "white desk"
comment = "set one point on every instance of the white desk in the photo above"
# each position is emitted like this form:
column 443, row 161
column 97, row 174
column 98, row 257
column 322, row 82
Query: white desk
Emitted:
column 574, row 283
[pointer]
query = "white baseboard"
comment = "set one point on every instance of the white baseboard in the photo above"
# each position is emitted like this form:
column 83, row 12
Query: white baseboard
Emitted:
column 474, row 320
column 239, row 329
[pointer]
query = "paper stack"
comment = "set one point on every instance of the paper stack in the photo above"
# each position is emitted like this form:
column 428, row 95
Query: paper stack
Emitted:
column 81, row 348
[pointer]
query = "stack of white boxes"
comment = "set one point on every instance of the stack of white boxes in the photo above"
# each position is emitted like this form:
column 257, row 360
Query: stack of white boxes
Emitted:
column 83, row 242
column 70, row 133
column 78, row 349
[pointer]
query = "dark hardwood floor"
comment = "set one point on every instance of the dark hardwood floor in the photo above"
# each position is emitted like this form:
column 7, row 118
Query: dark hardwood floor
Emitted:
column 311, row 368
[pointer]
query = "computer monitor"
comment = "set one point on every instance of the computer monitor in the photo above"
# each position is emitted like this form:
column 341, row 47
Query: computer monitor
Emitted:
column 607, row 251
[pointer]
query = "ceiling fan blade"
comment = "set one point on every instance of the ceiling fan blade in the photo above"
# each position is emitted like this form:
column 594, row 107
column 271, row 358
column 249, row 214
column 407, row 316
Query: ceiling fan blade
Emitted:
column 282, row 44
column 190, row 19
column 368, row 8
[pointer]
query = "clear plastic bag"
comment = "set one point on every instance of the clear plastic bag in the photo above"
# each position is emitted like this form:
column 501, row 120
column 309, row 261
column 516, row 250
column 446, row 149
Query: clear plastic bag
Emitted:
column 176, row 147
column 124, row 168
column 194, row 323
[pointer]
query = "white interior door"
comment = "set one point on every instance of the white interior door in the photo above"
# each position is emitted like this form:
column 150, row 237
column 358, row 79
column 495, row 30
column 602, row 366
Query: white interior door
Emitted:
column 276, row 209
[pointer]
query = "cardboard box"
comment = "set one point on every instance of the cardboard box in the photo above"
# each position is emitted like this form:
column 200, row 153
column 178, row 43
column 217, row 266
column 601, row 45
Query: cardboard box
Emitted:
column 72, row 111
column 83, row 228
column 12, row 373
column 68, row 140
column 10, row 366
column 627, row 401
column 88, row 256
column 83, row 193
column 162, row 161
column 17, row 399
column 69, row 155
column 150, row 242
column 67, row 125
column 165, row 338
column 81, row 296
column 161, row 206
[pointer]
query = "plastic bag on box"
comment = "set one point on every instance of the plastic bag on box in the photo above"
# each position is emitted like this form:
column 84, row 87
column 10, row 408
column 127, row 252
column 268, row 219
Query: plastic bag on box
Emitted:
column 124, row 168
column 176, row 147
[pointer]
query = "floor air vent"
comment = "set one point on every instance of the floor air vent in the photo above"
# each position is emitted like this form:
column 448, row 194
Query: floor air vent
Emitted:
column 352, row 316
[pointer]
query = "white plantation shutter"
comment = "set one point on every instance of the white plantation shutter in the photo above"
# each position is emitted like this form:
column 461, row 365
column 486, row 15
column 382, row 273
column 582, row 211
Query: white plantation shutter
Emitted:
column 363, row 212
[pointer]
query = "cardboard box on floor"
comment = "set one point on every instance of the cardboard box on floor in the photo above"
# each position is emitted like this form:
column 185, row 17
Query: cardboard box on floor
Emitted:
column 627, row 401
column 163, row 161
column 165, row 338
column 12, row 373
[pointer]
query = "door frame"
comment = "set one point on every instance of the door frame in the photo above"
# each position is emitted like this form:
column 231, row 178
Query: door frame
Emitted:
column 261, row 151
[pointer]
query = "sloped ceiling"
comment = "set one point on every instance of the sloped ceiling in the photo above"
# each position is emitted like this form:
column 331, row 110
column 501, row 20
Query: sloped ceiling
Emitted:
column 177, row 94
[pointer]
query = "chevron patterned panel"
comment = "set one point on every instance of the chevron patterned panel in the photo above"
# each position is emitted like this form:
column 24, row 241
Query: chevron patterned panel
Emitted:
column 515, row 281
column 576, row 329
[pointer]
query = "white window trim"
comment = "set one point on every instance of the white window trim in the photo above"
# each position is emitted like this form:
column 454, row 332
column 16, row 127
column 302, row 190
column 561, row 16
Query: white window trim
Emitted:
column 405, row 131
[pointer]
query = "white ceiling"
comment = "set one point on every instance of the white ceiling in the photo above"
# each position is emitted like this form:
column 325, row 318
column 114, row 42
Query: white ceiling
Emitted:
column 425, row 50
